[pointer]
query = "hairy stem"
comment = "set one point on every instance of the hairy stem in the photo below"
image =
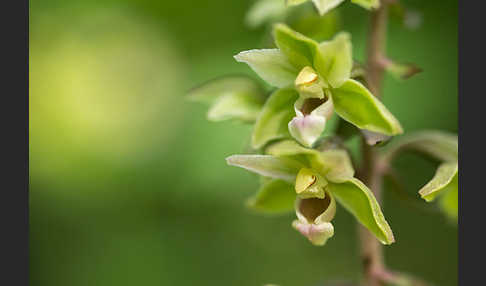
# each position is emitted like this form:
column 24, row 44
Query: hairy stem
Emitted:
column 371, row 249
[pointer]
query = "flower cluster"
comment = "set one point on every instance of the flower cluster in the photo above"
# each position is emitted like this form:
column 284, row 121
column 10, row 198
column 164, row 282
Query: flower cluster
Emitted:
column 301, row 172
column 319, row 75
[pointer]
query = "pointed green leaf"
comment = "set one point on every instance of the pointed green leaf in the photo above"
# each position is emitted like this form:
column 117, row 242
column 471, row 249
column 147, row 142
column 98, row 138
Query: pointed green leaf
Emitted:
column 267, row 165
column 367, row 4
column 336, row 60
column 272, row 123
column 274, row 196
column 444, row 179
column 299, row 49
column 271, row 65
column 233, row 97
column 360, row 201
column 354, row 103
column 323, row 6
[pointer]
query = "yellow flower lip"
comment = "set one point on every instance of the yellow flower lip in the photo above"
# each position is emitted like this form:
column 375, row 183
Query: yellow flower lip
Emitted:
column 306, row 76
column 305, row 179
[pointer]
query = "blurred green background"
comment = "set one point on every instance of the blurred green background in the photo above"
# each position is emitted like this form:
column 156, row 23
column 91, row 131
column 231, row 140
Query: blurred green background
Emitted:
column 128, row 183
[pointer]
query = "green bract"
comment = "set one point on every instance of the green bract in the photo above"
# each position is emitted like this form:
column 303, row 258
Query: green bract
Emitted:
column 318, row 177
column 232, row 97
column 324, row 6
column 320, row 73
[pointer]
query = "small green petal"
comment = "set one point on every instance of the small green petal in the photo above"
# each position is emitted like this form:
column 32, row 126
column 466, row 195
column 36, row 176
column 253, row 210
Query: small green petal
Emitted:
column 267, row 165
column 335, row 61
column 271, row 65
column 299, row 49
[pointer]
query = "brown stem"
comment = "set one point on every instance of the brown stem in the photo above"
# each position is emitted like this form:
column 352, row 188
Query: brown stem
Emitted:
column 371, row 249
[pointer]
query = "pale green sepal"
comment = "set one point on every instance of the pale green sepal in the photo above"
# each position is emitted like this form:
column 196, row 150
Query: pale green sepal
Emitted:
column 272, row 122
column 367, row 4
column 444, row 179
column 267, row 165
column 355, row 104
column 299, row 49
column 336, row 60
column 323, row 6
column 313, row 218
column 360, row 201
column 274, row 197
column 271, row 65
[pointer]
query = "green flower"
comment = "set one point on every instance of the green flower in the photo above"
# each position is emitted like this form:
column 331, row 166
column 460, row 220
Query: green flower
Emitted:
column 314, row 83
column 310, row 182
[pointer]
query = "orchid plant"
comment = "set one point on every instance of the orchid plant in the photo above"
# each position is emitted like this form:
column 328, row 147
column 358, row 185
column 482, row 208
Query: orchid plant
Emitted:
column 305, row 167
